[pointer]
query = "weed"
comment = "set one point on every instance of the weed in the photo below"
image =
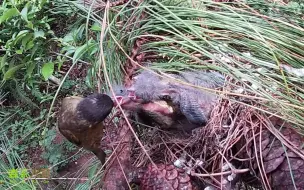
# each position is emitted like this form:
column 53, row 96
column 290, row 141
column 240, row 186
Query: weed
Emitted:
column 26, row 39
column 55, row 153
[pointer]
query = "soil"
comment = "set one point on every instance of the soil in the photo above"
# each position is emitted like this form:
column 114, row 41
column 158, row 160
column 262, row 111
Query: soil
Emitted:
column 76, row 169
column 67, row 177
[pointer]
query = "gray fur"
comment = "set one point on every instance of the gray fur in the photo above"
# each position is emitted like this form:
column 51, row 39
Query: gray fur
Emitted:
column 195, row 104
column 119, row 90
column 149, row 86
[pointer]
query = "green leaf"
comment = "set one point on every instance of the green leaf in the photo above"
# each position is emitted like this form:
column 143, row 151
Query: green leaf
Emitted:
column 20, row 35
column 38, row 34
column 69, row 50
column 24, row 12
column 96, row 27
column 80, row 51
column 94, row 50
column 26, row 39
column 88, row 79
column 30, row 25
column 79, row 33
column 42, row 2
column 9, row 14
column 60, row 63
column 29, row 45
column 10, row 73
column 92, row 171
column 68, row 38
column 3, row 61
column 20, row 51
column 30, row 69
column 47, row 70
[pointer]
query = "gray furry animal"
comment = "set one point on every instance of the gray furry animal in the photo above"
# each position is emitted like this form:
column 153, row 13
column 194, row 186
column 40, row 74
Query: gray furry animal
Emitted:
column 167, row 102
column 195, row 104
column 157, row 112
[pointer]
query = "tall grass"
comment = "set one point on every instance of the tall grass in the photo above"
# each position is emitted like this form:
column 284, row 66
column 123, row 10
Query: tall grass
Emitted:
column 233, row 38
column 248, row 41
column 10, row 163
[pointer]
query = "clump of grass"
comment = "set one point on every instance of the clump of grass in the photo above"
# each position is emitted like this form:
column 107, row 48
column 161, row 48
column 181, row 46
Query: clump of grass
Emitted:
column 233, row 38
column 14, row 173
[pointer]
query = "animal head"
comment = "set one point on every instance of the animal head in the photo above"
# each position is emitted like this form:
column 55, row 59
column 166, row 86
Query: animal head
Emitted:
column 125, row 97
column 95, row 107
column 148, row 86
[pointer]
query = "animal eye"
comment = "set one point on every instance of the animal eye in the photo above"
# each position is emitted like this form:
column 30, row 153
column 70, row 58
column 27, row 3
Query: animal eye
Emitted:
column 121, row 91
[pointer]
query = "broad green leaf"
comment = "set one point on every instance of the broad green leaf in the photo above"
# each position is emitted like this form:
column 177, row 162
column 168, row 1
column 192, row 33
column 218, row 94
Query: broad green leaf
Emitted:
column 20, row 35
column 94, row 50
column 9, row 14
column 68, row 38
column 38, row 34
column 30, row 25
column 20, row 51
column 79, row 33
column 47, row 70
column 29, row 45
column 96, row 27
column 26, row 39
column 80, row 51
column 10, row 73
column 24, row 12
column 69, row 50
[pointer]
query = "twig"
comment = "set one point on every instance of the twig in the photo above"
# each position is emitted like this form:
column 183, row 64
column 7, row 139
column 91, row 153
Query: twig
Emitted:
column 236, row 171
column 54, row 79
column 59, row 178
